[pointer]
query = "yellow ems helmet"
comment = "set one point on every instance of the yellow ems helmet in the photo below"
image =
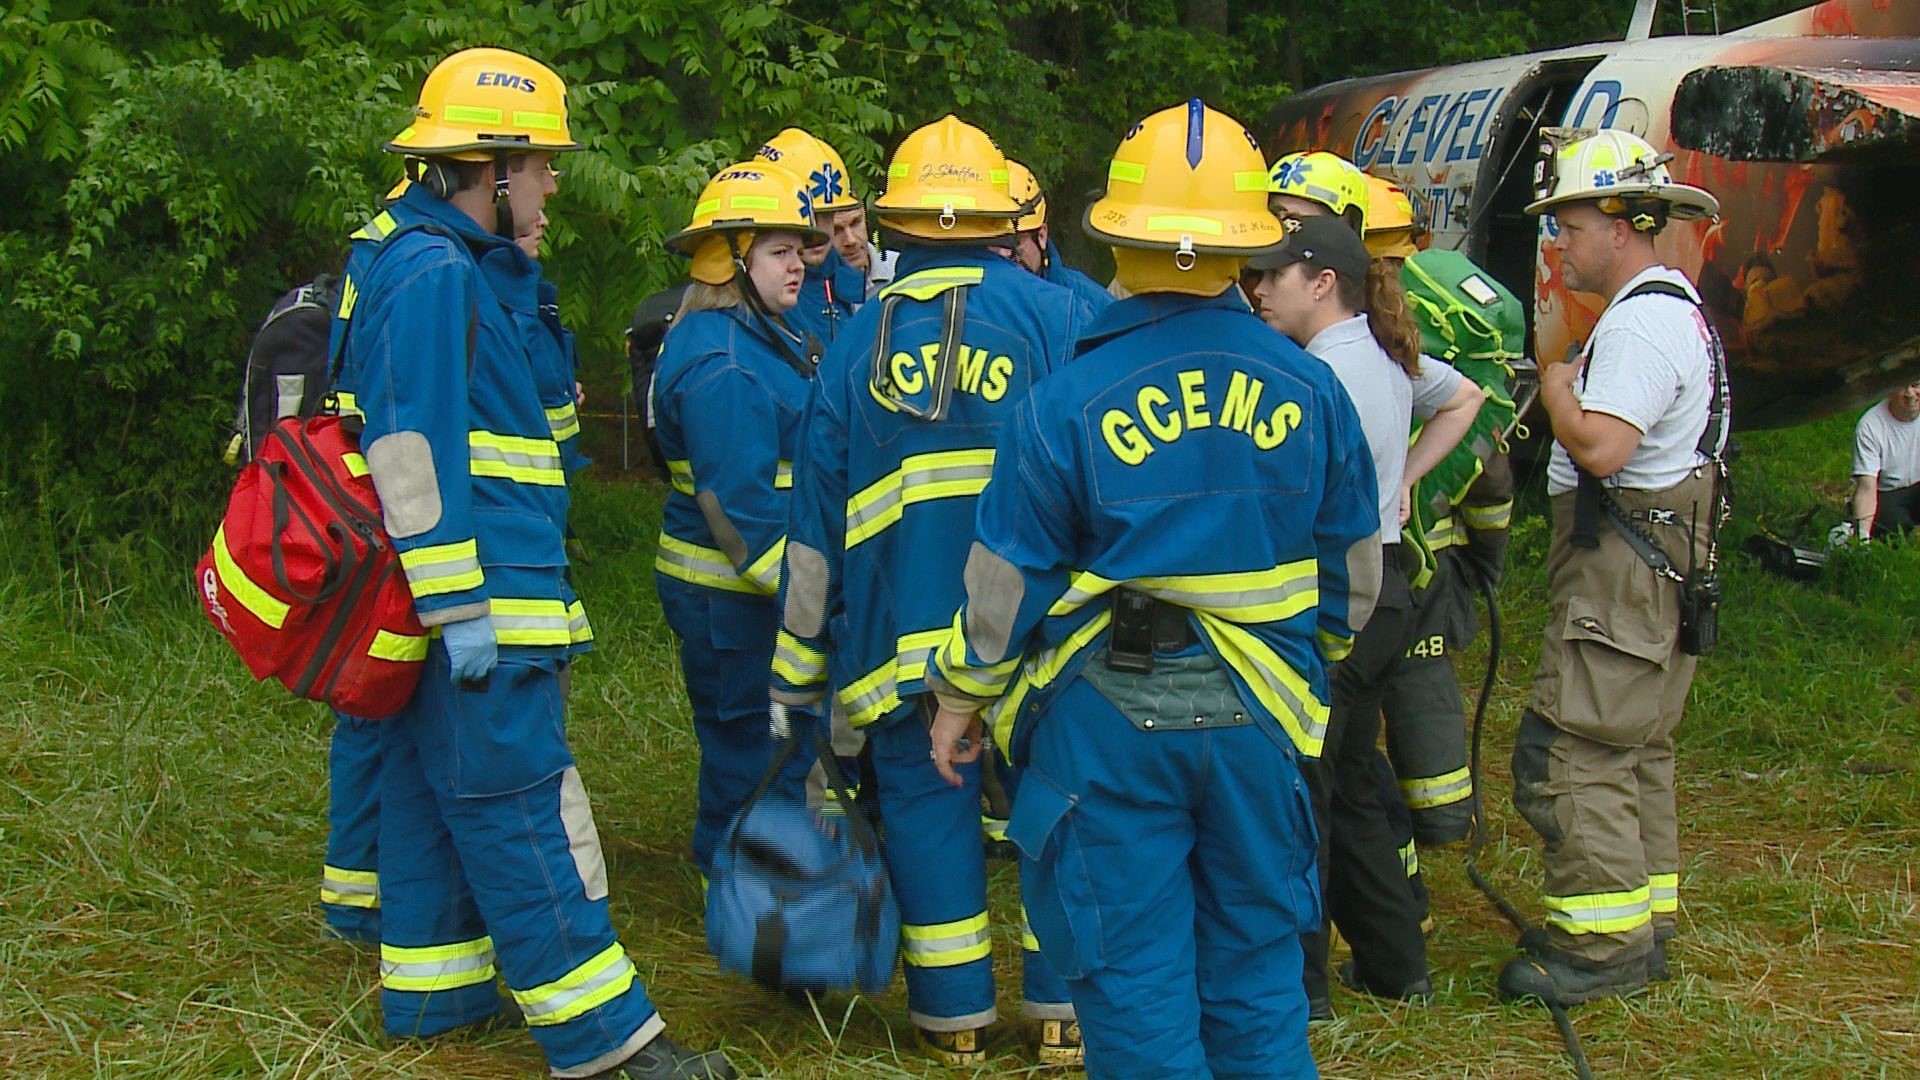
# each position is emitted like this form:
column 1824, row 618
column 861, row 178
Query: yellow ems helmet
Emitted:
column 947, row 182
column 1025, row 189
column 479, row 102
column 813, row 161
column 740, row 200
column 1328, row 179
column 1392, row 222
column 1188, row 180
column 1620, row 172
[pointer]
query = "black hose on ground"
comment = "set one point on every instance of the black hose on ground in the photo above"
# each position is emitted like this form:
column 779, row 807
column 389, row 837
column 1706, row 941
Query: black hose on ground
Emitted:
column 1478, row 838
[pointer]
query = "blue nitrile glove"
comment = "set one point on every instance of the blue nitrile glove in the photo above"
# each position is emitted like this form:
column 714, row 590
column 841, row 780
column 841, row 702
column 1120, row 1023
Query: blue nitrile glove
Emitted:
column 471, row 648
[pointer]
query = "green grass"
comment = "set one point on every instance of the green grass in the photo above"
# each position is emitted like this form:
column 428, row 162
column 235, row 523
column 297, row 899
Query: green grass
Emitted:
column 162, row 821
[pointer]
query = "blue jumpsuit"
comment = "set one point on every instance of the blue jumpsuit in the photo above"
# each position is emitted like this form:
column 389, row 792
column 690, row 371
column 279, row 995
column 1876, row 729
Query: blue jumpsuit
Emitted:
column 883, row 506
column 829, row 295
column 1191, row 454
column 349, row 880
column 488, row 856
column 727, row 404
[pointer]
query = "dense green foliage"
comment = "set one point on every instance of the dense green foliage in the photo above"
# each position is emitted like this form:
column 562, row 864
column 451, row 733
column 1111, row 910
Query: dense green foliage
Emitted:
column 172, row 166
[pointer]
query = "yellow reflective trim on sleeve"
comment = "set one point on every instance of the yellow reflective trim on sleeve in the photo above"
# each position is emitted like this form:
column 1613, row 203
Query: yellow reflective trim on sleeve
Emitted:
column 696, row 565
column 260, row 603
column 796, row 662
column 1488, row 518
column 1427, row 792
column 927, row 284
column 517, row 458
column 377, row 229
column 355, row 463
column 681, row 475
column 564, row 421
column 984, row 683
column 604, row 976
column 443, row 568
column 764, row 571
column 1333, row 646
column 399, row 648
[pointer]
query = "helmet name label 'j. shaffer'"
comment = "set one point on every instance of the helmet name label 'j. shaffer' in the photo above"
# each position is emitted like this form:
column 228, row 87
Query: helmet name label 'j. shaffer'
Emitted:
column 974, row 371
column 1168, row 413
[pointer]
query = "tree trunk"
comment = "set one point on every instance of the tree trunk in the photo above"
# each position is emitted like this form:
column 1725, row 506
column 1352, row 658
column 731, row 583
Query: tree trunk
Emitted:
column 1207, row 15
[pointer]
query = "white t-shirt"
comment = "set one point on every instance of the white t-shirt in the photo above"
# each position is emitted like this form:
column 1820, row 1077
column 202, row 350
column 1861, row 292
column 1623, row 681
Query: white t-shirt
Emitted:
column 1386, row 401
column 1887, row 446
column 1650, row 363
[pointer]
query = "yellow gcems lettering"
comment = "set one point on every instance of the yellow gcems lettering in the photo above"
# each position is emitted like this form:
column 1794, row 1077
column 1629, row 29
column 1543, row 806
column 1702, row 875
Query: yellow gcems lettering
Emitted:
column 976, row 371
column 1155, row 412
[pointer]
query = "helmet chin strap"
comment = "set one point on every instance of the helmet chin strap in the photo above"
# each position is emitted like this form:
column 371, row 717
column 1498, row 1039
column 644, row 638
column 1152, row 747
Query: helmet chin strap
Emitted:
column 775, row 326
column 502, row 204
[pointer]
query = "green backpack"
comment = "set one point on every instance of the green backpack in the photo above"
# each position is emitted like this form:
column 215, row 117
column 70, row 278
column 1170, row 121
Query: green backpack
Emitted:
column 1471, row 321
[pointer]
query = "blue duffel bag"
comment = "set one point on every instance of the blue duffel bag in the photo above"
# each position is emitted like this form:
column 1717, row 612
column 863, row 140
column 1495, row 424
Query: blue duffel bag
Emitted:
column 801, row 901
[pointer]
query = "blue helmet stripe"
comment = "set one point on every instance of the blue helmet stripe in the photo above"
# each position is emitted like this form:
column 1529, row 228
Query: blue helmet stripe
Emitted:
column 1196, row 130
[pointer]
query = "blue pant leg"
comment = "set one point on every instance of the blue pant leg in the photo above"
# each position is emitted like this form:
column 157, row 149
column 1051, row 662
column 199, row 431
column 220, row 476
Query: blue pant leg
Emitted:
column 1104, row 822
column 726, row 653
column 436, row 958
column 1043, row 993
column 350, row 881
column 939, row 873
column 1256, row 887
column 498, row 765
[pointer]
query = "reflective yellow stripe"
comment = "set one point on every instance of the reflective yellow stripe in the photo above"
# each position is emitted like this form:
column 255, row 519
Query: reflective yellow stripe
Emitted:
column 1663, row 892
column 356, row 464
column 876, row 694
column 753, row 202
column 531, row 622
column 920, row 478
column 347, row 403
column 681, row 474
column 516, row 458
column 981, row 682
column 1282, row 690
column 605, row 976
column 1037, row 673
column 1444, row 534
column 927, row 284
column 1334, row 646
column 443, row 568
column 948, row 944
column 1027, row 940
column 1427, row 792
column 1131, row 172
column 1184, row 223
column 765, row 570
column 579, row 630
column 349, row 888
column 545, row 121
column 1600, row 913
column 1250, row 181
column 473, row 114
column 783, row 476
column 1253, row 596
column 436, row 967
column 1485, row 518
column 399, row 648
column 797, row 663
column 958, row 202
column 564, row 422
column 698, row 565
column 263, row 605
column 377, row 229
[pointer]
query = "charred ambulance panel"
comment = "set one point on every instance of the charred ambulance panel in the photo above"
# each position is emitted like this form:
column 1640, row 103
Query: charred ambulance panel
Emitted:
column 1812, row 145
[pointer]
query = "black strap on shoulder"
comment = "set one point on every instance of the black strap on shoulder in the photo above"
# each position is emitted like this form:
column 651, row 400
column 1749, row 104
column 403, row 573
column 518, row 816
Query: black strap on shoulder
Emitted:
column 1718, row 402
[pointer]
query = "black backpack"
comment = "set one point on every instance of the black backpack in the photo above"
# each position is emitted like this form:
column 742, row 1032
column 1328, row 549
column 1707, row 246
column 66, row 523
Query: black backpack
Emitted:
column 651, row 321
column 286, row 373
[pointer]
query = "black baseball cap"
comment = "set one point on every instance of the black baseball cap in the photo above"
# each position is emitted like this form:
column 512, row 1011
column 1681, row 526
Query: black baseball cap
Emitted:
column 1323, row 242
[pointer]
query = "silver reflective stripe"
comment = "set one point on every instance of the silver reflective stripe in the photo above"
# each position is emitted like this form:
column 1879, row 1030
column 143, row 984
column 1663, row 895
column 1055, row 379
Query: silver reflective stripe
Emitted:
column 288, row 391
column 873, row 699
column 456, row 972
column 806, row 663
column 916, row 658
column 434, row 571
column 930, row 950
column 561, row 1000
column 513, row 459
column 1316, row 730
column 1242, row 598
column 888, row 504
column 698, row 564
column 555, row 624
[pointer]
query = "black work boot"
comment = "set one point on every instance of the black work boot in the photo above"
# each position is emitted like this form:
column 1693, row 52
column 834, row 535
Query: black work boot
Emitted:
column 1560, row 978
column 664, row 1059
column 1319, row 1009
column 1418, row 992
column 1657, row 962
